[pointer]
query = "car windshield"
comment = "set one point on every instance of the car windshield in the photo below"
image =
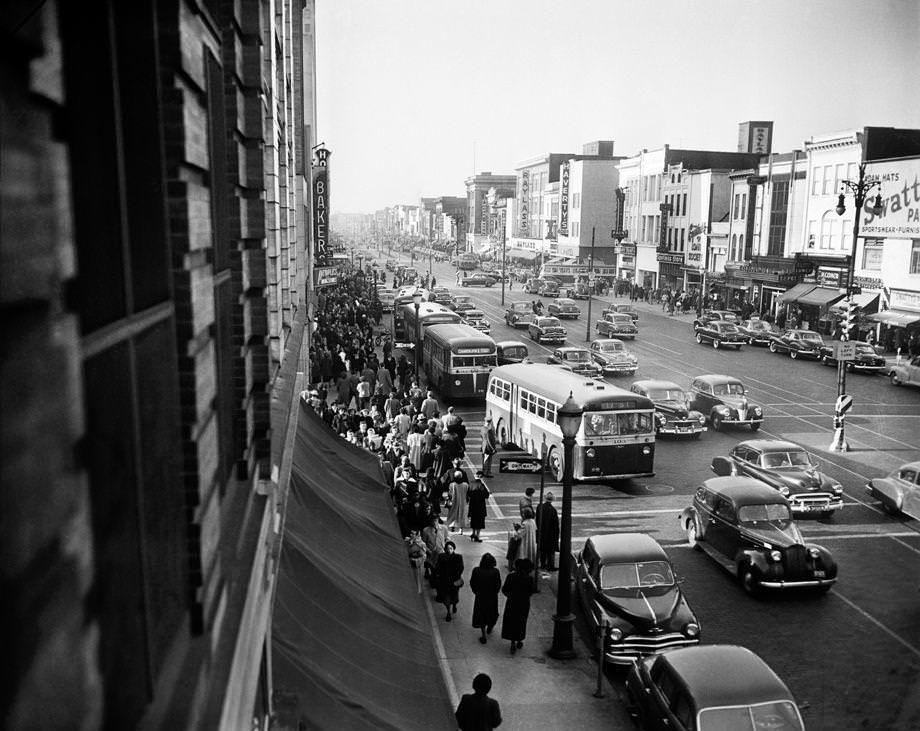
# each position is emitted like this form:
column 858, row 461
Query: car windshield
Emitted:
column 550, row 322
column 634, row 575
column 775, row 513
column 728, row 389
column 757, row 325
column 462, row 298
column 726, row 327
column 778, row 460
column 617, row 424
column 622, row 319
column 520, row 352
column 667, row 394
column 577, row 356
column 612, row 346
column 865, row 349
column 780, row 715
column 810, row 336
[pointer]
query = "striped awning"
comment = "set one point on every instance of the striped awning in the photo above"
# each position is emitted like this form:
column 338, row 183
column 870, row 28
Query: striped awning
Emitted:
column 895, row 318
column 792, row 295
column 867, row 302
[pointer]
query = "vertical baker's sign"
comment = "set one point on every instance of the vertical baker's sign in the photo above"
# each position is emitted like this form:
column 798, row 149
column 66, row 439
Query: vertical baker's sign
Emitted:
column 564, row 200
column 525, row 204
column 322, row 253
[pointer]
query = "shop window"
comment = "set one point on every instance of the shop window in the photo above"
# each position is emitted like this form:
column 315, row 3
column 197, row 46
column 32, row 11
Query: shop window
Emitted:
column 828, row 181
column 872, row 257
column 816, row 180
column 827, row 229
column 915, row 257
column 734, row 251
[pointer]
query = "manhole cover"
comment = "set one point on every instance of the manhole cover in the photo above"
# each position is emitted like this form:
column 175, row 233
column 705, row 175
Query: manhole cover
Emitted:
column 659, row 488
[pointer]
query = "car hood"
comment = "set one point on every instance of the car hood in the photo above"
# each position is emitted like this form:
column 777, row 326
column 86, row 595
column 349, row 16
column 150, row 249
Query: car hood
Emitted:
column 773, row 535
column 670, row 406
column 613, row 357
column 648, row 607
column 736, row 402
column 801, row 479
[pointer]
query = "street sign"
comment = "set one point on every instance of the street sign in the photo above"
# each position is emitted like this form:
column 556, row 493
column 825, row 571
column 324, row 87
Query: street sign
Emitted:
column 519, row 465
column 844, row 350
column 844, row 402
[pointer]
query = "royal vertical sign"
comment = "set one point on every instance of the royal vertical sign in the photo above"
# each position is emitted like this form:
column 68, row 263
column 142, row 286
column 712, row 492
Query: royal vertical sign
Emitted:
column 564, row 199
column 525, row 204
column 322, row 253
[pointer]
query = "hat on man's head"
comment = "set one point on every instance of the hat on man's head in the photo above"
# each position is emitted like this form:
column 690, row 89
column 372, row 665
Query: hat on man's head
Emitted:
column 549, row 497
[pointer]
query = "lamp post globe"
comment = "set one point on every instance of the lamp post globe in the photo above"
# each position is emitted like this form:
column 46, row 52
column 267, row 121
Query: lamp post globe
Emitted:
column 569, row 420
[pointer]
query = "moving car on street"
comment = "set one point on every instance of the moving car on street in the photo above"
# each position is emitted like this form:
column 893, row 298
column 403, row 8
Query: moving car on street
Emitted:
column 549, row 288
column 518, row 314
column 511, row 351
column 899, row 492
column 616, row 325
column 673, row 414
column 563, row 308
column 532, row 285
column 440, row 294
column 756, row 331
column 461, row 303
column 798, row 343
column 628, row 589
column 547, row 330
column 710, row 316
column 746, row 526
column 720, row 333
column 625, row 309
column 723, row 400
column 477, row 319
column 867, row 359
column 576, row 360
column 906, row 373
column 477, row 280
column 613, row 357
column 787, row 468
column 721, row 687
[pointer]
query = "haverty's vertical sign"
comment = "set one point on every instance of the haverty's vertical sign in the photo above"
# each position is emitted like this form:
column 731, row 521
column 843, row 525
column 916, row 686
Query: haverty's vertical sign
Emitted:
column 322, row 253
column 564, row 199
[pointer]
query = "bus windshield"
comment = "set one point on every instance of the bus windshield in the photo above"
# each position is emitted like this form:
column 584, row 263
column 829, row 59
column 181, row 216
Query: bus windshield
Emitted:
column 612, row 424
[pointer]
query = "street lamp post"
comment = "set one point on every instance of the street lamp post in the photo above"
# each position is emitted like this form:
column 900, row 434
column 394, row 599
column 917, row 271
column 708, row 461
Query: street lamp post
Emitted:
column 417, row 301
column 860, row 189
column 569, row 420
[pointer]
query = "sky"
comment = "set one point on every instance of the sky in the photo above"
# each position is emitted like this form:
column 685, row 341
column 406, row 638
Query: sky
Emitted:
column 413, row 96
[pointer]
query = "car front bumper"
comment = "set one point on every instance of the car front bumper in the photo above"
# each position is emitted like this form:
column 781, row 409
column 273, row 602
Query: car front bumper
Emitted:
column 615, row 368
column 809, row 505
column 634, row 647
column 681, row 428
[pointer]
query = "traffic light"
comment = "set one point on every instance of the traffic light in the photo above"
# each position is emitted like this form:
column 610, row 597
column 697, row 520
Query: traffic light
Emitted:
column 850, row 321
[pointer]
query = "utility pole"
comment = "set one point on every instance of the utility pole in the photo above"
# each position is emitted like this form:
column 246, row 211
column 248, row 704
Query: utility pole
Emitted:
column 590, row 288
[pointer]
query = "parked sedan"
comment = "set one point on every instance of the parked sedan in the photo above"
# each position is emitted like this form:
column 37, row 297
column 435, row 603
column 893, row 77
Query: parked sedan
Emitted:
column 907, row 373
column 441, row 294
column 477, row 280
column 518, row 314
column 627, row 586
column 710, row 687
column 867, row 359
column 547, row 330
column 710, row 316
column 673, row 414
column 461, row 303
column 900, row 491
column 532, row 285
column 616, row 324
column 477, row 319
column 723, row 400
column 563, row 307
column 576, row 360
column 625, row 309
column 720, row 333
column 613, row 357
column 511, row 351
column 747, row 528
column 787, row 468
column 756, row 331
column 798, row 343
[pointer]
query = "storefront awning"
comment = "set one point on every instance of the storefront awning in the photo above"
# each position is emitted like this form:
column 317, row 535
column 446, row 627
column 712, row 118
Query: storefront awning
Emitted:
column 792, row 295
column 867, row 302
column 895, row 318
column 523, row 254
column 820, row 297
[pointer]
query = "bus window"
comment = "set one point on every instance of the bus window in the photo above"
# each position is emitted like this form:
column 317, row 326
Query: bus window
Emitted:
column 634, row 423
column 600, row 425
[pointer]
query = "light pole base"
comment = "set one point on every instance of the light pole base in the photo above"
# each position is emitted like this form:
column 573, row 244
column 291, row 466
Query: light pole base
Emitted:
column 839, row 444
column 562, row 648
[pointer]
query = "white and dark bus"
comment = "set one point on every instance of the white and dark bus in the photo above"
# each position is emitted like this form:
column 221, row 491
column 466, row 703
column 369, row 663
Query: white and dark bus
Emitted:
column 457, row 360
column 616, row 438
column 405, row 329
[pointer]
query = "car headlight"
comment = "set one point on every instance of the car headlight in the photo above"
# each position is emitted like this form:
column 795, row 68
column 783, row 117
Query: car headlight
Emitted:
column 590, row 452
column 814, row 552
column 692, row 629
column 776, row 555
column 646, row 450
column 702, row 420
column 784, row 491
column 485, row 323
column 616, row 634
column 633, row 359
column 757, row 411
column 837, row 488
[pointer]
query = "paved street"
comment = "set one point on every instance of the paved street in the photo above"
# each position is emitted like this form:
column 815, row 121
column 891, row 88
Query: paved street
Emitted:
column 853, row 656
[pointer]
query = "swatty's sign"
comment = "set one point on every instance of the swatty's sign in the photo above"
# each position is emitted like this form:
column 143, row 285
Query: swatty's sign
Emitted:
column 899, row 188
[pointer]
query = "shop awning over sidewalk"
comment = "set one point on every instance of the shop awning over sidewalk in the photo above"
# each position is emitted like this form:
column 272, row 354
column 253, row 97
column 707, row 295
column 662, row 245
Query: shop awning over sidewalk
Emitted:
column 792, row 295
column 820, row 297
column 895, row 318
column 352, row 645
column 522, row 254
column 867, row 302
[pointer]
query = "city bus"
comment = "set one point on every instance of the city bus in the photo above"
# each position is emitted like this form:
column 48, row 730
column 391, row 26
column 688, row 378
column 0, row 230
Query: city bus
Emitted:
column 616, row 439
column 405, row 330
column 457, row 359
column 467, row 261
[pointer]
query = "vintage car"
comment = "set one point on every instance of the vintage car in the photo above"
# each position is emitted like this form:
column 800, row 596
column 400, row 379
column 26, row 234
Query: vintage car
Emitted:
column 387, row 299
column 710, row 687
column 547, row 330
column 710, row 316
column 723, row 401
column 390, row 265
column 461, row 303
column 625, row 309
column 563, row 308
column 756, row 331
column 549, row 288
column 867, row 359
column 441, row 294
column 900, row 491
column 906, row 373
column 511, row 351
column 798, row 343
column 627, row 586
column 788, row 468
column 476, row 319
column 747, row 527
column 719, row 333
column 576, row 360
column 673, row 414
column 518, row 314
column 616, row 324
column 581, row 291
column 613, row 357
column 477, row 280
column 532, row 285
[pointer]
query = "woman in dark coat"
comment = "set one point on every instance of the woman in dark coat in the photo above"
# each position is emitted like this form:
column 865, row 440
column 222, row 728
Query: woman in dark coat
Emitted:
column 476, row 497
column 448, row 575
column 485, row 583
column 518, row 588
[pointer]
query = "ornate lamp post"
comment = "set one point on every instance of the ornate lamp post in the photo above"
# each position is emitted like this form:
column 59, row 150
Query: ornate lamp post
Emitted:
column 417, row 301
column 860, row 189
column 569, row 420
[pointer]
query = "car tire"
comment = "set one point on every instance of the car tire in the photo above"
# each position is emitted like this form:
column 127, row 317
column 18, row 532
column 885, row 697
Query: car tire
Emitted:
column 895, row 380
column 693, row 537
column 793, row 354
column 716, row 343
column 755, row 426
column 750, row 580
column 772, row 347
column 699, row 338
column 717, row 423
column 889, row 508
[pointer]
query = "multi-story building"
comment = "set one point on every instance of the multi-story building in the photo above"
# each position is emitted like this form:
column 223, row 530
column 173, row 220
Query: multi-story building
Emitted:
column 156, row 259
column 478, row 231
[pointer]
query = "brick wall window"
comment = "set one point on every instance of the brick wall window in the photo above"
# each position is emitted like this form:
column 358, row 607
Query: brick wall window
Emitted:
column 779, row 204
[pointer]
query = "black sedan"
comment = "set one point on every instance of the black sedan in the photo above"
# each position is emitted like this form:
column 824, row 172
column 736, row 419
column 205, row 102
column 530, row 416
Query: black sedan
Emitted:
column 511, row 351
column 723, row 400
column 747, row 528
column 627, row 586
column 547, row 330
column 673, row 414
column 720, row 333
column 710, row 316
column 867, row 359
column 563, row 307
column 477, row 280
column 757, row 332
column 798, row 343
column 519, row 314
column 576, row 360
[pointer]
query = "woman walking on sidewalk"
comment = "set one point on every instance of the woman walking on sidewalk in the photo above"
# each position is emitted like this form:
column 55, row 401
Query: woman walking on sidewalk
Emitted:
column 448, row 578
column 476, row 497
column 518, row 588
column 485, row 583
